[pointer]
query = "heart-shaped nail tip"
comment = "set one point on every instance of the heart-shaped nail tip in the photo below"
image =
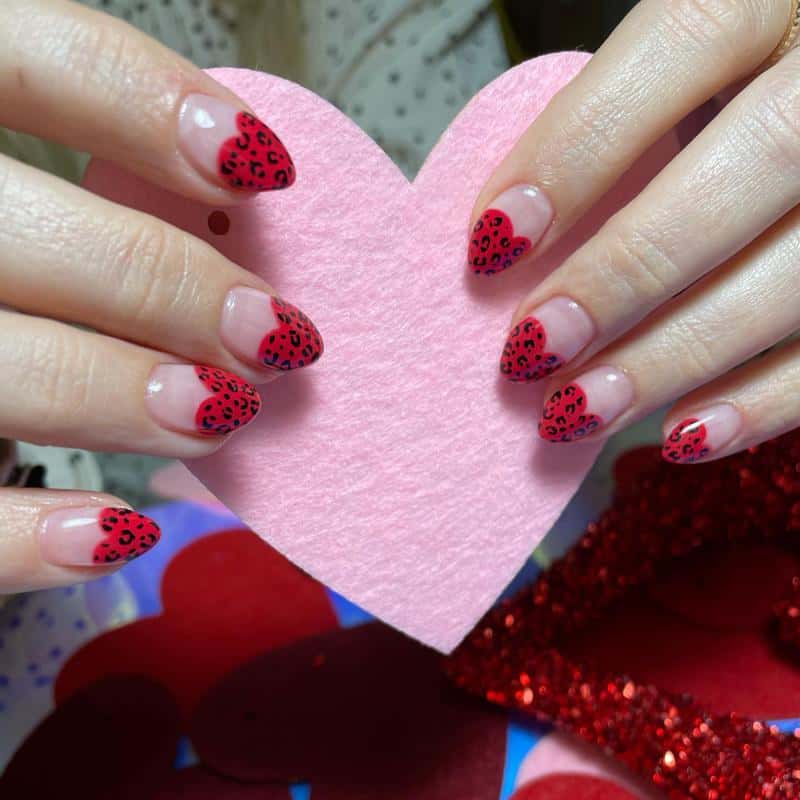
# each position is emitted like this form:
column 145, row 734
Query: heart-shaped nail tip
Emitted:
column 294, row 343
column 565, row 418
column 686, row 442
column 230, row 406
column 524, row 355
column 493, row 246
column 256, row 159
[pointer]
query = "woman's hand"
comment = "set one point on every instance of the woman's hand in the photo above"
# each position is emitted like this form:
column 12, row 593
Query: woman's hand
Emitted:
column 683, row 286
column 176, row 323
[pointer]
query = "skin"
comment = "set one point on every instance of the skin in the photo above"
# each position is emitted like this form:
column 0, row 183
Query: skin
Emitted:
column 151, row 293
column 720, row 218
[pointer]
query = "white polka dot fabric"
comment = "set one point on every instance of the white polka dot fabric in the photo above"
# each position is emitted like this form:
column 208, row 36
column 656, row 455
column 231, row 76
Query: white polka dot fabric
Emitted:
column 402, row 69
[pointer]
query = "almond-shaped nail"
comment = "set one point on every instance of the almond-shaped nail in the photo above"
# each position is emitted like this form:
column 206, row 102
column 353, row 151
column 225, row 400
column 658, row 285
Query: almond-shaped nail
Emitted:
column 95, row 536
column 586, row 404
column 198, row 399
column 259, row 328
column 550, row 336
column 702, row 435
column 232, row 146
column 510, row 227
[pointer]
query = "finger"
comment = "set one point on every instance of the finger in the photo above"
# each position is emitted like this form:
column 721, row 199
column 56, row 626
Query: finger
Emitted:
column 739, row 310
column 68, row 254
column 69, row 387
column 696, row 213
column 664, row 60
column 754, row 403
column 94, row 83
column 58, row 538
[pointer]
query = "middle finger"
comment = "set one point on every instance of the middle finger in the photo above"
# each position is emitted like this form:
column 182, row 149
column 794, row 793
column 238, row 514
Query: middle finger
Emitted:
column 68, row 254
column 733, row 181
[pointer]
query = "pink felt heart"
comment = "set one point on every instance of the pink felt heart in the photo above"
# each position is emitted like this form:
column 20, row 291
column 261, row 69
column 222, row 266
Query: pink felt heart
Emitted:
column 401, row 469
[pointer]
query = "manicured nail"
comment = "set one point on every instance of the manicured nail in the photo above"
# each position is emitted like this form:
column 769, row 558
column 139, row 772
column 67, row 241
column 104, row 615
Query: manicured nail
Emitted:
column 232, row 146
column 702, row 435
column 593, row 400
column 80, row 537
column 260, row 328
column 553, row 334
column 511, row 226
column 194, row 399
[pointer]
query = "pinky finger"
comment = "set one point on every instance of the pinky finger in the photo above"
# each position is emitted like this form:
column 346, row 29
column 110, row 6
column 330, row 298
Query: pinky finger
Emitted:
column 753, row 403
column 56, row 538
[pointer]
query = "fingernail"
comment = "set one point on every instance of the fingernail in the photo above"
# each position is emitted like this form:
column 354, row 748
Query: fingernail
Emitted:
column 702, row 435
column 511, row 226
column 260, row 328
column 593, row 400
column 553, row 334
column 195, row 399
column 232, row 146
column 80, row 537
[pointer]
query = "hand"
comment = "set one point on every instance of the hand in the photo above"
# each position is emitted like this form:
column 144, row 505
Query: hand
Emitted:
column 177, row 323
column 717, row 227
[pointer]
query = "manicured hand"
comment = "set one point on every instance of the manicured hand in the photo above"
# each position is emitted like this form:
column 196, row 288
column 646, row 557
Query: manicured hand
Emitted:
column 678, row 291
column 178, row 332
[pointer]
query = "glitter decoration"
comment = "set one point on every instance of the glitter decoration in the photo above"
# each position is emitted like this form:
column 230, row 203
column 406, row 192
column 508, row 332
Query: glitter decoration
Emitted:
column 660, row 512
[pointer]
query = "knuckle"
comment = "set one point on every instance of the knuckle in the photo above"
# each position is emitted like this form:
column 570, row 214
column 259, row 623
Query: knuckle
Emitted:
column 712, row 25
column 640, row 264
column 696, row 349
column 55, row 370
column 774, row 122
column 149, row 264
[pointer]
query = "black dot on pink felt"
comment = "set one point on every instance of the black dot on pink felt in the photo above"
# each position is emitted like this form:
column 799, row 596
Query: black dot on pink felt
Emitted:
column 219, row 223
column 358, row 713
column 115, row 738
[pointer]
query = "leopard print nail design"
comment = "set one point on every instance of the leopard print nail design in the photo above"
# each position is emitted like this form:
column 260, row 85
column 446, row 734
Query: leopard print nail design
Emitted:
column 127, row 535
column 565, row 418
column 493, row 246
column 525, row 357
column 256, row 159
column 686, row 442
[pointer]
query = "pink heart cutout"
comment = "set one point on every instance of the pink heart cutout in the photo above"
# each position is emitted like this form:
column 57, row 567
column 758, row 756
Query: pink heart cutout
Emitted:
column 400, row 469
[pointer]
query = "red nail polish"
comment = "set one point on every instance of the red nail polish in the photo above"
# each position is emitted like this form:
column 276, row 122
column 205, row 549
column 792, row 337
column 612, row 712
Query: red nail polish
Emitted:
column 493, row 246
column 128, row 535
column 525, row 357
column 294, row 343
column 564, row 417
column 232, row 404
column 256, row 159
column 687, row 442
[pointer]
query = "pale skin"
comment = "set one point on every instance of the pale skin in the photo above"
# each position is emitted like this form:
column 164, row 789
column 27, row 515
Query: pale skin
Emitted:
column 720, row 219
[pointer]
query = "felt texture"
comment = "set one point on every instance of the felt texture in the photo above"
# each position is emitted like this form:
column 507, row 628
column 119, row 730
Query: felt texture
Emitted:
column 226, row 598
column 116, row 738
column 359, row 713
column 400, row 470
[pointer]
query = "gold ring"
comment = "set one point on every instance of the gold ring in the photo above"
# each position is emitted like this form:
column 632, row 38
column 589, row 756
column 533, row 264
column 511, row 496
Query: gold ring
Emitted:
column 789, row 39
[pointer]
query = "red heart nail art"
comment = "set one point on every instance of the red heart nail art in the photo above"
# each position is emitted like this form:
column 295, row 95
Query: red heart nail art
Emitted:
column 296, row 342
column 233, row 403
column 524, row 356
column 255, row 159
column 128, row 534
column 493, row 246
column 564, row 417
column 687, row 442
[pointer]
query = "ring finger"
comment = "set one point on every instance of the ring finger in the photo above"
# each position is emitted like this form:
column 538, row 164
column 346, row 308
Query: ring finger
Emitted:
column 131, row 275
column 70, row 387
column 739, row 310
column 732, row 182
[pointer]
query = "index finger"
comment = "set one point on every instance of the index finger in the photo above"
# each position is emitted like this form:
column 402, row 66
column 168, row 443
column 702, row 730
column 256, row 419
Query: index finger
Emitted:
column 664, row 60
column 95, row 83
